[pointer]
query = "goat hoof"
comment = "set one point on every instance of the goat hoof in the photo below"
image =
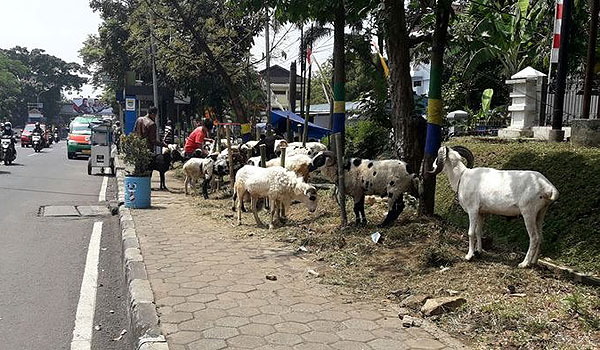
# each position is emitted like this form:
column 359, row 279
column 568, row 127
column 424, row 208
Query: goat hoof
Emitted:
column 469, row 257
column 523, row 265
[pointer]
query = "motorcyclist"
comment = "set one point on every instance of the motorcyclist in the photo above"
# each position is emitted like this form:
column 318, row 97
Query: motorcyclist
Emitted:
column 7, row 130
column 38, row 129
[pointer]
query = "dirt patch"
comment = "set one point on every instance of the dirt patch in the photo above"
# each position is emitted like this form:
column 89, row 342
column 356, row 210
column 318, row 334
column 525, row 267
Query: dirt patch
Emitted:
column 507, row 308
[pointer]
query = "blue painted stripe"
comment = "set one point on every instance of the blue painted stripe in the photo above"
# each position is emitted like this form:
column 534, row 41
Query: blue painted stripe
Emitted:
column 433, row 139
column 339, row 120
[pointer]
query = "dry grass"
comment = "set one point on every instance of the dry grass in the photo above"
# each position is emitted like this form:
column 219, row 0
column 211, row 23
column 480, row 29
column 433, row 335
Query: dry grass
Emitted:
column 425, row 256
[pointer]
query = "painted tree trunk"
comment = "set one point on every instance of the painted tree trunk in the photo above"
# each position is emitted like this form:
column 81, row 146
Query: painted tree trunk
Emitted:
column 339, row 73
column 435, row 106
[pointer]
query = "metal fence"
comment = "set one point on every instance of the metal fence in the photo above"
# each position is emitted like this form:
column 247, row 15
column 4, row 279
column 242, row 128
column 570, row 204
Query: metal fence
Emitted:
column 573, row 105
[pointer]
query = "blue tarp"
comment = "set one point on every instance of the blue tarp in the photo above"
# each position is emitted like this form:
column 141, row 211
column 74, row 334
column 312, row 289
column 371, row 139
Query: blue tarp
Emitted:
column 279, row 119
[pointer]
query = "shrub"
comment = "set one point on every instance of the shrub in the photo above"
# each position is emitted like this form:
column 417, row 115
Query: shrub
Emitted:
column 366, row 139
column 137, row 155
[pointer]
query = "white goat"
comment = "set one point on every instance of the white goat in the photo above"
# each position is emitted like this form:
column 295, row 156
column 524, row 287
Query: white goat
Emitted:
column 280, row 186
column 195, row 169
column 502, row 192
column 311, row 149
column 381, row 177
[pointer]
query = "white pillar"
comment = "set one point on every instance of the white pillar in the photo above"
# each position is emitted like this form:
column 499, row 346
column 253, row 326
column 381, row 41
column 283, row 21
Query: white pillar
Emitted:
column 524, row 109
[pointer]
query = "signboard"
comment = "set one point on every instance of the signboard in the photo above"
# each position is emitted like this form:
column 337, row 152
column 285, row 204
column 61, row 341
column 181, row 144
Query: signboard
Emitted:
column 130, row 104
column 91, row 106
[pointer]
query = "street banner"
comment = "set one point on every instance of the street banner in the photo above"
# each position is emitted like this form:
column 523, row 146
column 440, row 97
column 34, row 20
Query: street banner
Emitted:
column 91, row 106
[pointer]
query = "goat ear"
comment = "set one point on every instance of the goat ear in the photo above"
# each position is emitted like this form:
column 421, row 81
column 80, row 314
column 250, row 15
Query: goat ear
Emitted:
column 317, row 162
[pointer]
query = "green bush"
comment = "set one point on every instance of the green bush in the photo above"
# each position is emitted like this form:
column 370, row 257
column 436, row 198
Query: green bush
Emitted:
column 137, row 155
column 366, row 139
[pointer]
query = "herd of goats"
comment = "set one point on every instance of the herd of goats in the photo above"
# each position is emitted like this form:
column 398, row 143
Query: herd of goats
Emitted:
column 480, row 191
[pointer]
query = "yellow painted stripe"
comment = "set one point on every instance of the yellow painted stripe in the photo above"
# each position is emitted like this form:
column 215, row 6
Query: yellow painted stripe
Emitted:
column 434, row 112
column 339, row 107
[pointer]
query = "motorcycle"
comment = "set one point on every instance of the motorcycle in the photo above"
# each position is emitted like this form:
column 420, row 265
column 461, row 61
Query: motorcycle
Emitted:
column 56, row 137
column 50, row 139
column 36, row 140
column 7, row 150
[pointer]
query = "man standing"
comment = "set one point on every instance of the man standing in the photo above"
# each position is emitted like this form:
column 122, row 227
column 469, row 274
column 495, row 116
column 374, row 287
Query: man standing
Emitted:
column 145, row 128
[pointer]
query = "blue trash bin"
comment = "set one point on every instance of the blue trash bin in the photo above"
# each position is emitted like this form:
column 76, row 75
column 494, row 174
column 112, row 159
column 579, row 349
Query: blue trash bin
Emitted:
column 137, row 192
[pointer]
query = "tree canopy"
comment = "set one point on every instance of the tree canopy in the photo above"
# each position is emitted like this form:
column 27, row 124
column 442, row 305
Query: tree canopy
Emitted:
column 27, row 75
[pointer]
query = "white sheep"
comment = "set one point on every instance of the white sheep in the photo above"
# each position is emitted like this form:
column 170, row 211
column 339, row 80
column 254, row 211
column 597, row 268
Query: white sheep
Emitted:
column 280, row 186
column 503, row 192
column 311, row 149
column 196, row 169
column 389, row 178
column 300, row 164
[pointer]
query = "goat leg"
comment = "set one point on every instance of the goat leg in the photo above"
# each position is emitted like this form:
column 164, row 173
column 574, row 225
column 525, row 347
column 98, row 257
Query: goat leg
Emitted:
column 163, row 185
column 358, row 209
column 205, row 188
column 472, row 236
column 394, row 211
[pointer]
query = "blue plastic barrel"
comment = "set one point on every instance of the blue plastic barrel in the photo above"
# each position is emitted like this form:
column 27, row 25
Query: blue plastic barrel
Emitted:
column 137, row 192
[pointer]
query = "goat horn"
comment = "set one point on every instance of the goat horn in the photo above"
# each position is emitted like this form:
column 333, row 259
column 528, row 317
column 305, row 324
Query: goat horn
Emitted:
column 467, row 154
column 439, row 166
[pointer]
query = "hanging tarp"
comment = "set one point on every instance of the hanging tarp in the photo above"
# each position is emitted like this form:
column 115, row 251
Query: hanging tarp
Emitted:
column 279, row 120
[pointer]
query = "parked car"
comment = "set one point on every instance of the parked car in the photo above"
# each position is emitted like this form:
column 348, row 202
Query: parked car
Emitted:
column 78, row 141
column 26, row 134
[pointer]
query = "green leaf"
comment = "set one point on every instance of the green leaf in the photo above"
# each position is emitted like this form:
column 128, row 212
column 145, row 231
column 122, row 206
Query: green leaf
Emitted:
column 523, row 7
column 486, row 99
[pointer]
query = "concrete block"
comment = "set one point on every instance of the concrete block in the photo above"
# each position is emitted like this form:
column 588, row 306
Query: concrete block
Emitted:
column 585, row 132
column 140, row 292
column 509, row 133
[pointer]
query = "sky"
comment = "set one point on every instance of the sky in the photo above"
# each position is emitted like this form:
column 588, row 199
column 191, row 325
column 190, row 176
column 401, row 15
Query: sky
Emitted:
column 57, row 26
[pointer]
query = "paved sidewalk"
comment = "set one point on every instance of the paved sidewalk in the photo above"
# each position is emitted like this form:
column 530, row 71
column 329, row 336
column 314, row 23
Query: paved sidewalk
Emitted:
column 212, row 293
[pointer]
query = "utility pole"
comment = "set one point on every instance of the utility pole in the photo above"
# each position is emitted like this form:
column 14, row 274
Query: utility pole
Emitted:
column 292, row 94
column 308, row 57
column 268, row 70
column 557, row 134
column 292, row 102
column 302, row 70
column 154, row 80
column 591, row 58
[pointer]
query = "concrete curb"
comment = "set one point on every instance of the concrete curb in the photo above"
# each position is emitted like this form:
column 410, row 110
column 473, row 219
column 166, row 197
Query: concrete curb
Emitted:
column 143, row 318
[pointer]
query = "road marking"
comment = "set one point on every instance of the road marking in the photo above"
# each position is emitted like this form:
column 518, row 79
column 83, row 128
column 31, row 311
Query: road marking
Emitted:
column 102, row 195
column 84, row 318
column 32, row 154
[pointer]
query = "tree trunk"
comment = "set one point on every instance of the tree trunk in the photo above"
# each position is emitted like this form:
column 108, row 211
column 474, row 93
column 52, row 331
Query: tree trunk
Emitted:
column 234, row 94
column 435, row 106
column 408, row 128
column 591, row 58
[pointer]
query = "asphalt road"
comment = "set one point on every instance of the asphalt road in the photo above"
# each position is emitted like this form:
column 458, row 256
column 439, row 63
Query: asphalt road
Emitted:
column 42, row 259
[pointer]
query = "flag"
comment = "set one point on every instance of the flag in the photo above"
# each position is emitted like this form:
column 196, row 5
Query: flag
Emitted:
column 386, row 70
column 556, row 37
column 308, row 54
